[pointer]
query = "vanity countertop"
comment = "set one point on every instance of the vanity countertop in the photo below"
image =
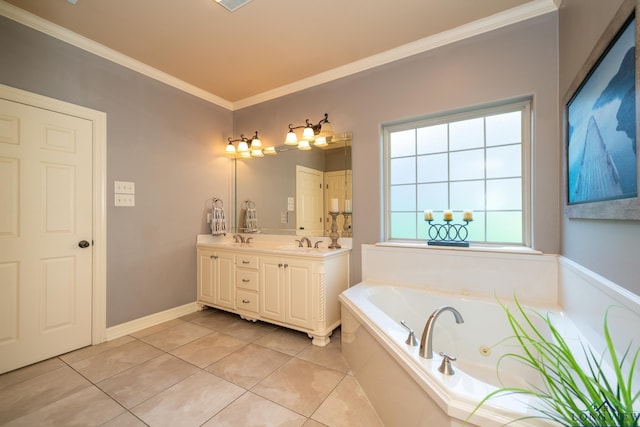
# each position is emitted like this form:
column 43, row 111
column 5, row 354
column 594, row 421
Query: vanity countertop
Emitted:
column 274, row 244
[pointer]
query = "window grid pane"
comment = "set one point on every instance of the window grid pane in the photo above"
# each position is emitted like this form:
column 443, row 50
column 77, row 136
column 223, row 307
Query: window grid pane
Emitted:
column 469, row 164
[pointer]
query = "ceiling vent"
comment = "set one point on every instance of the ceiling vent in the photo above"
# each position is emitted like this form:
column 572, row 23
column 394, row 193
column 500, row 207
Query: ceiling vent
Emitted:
column 232, row 5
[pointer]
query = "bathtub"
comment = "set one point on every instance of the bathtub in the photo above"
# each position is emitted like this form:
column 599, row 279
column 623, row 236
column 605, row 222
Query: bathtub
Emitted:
column 407, row 389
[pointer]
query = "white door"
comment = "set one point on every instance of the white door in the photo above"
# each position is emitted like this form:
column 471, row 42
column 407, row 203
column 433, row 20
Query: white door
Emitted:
column 45, row 234
column 309, row 202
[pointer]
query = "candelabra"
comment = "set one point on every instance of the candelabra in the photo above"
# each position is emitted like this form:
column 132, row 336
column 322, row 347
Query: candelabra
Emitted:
column 334, row 231
column 449, row 233
column 346, row 227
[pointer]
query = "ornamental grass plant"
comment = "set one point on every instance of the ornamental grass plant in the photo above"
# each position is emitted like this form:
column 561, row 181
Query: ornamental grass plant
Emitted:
column 599, row 392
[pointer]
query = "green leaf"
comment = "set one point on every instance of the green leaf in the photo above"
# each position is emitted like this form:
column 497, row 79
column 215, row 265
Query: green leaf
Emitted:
column 571, row 393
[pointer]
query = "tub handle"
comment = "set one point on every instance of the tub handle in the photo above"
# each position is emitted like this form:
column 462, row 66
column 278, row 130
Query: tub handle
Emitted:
column 411, row 339
column 445, row 366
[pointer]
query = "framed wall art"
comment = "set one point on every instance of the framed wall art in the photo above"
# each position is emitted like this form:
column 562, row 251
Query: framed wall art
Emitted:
column 600, row 127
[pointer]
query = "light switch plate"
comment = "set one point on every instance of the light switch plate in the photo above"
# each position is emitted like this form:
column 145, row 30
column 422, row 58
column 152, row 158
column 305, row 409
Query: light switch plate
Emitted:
column 124, row 187
column 125, row 200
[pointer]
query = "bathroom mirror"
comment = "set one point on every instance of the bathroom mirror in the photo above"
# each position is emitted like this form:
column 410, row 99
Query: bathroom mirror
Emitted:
column 291, row 192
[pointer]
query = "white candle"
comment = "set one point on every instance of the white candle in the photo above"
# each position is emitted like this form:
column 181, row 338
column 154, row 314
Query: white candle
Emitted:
column 428, row 215
column 334, row 205
column 448, row 215
column 467, row 216
column 347, row 206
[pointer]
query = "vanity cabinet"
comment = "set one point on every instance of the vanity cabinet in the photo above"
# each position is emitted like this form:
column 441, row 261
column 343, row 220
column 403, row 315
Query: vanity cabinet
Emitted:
column 216, row 278
column 295, row 290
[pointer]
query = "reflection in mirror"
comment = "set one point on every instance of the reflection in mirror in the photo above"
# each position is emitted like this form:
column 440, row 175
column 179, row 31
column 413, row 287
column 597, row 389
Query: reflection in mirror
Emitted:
column 291, row 192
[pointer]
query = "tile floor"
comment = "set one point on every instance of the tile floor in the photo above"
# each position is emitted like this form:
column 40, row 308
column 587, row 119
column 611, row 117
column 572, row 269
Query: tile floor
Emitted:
column 209, row 368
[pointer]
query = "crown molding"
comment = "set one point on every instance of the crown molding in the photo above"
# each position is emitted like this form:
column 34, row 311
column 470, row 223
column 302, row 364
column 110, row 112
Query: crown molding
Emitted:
column 517, row 14
column 37, row 23
column 484, row 25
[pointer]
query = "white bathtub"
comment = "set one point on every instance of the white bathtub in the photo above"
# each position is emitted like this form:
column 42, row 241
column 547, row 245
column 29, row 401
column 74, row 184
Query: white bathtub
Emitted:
column 408, row 282
column 409, row 390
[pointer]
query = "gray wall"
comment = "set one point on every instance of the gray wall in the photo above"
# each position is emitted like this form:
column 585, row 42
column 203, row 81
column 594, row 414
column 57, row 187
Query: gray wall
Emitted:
column 170, row 143
column 607, row 247
column 164, row 140
column 516, row 61
column 268, row 182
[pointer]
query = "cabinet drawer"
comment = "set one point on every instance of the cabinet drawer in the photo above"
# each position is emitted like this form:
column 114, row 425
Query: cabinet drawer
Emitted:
column 247, row 261
column 247, row 279
column 246, row 300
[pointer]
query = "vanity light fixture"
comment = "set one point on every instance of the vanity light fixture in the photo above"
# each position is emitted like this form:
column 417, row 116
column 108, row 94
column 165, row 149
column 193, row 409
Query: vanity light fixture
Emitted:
column 319, row 134
column 247, row 147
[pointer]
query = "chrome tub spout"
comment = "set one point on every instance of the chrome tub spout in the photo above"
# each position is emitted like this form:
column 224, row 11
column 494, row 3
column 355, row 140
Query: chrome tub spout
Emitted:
column 426, row 346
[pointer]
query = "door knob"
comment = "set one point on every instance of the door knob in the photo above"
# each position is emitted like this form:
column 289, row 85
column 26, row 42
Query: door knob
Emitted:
column 83, row 244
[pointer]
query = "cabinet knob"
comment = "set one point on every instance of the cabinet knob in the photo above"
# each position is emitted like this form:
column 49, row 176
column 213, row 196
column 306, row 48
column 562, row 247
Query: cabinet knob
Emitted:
column 245, row 262
column 246, row 280
column 245, row 301
column 280, row 265
column 286, row 265
column 213, row 256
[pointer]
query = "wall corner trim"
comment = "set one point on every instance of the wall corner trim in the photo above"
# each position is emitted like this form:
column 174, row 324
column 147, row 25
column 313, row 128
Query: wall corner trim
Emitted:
column 39, row 24
column 502, row 19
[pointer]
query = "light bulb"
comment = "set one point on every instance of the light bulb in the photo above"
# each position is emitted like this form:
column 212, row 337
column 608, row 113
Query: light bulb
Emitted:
column 243, row 146
column 320, row 141
column 304, row 145
column 291, row 139
column 326, row 129
column 307, row 134
column 256, row 144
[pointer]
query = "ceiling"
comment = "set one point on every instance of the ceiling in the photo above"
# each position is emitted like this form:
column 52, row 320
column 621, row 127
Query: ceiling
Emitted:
column 268, row 45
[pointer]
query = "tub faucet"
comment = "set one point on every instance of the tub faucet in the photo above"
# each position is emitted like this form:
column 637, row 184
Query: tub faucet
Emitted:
column 426, row 346
column 305, row 239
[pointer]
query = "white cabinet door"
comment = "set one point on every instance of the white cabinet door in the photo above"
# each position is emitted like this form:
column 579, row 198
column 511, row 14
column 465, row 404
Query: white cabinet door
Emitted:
column 286, row 290
column 206, row 275
column 216, row 279
column 225, row 295
column 272, row 288
column 46, row 233
column 298, row 293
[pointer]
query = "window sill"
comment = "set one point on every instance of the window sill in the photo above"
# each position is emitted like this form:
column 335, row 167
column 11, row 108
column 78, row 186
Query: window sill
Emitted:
column 472, row 248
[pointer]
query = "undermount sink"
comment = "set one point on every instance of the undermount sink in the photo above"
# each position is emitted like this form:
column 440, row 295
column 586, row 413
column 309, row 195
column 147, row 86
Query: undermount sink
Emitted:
column 296, row 248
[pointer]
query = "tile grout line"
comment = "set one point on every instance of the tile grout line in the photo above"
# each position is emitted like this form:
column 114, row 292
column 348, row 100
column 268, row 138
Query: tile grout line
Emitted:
column 295, row 355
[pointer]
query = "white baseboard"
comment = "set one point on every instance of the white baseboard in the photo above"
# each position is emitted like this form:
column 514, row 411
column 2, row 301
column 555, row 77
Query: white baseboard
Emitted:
column 151, row 320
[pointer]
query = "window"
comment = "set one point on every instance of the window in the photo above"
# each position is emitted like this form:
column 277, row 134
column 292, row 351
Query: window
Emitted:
column 475, row 160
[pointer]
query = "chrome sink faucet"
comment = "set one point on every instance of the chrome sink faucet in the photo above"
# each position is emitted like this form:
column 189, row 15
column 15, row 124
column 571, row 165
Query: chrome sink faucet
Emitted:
column 426, row 346
column 305, row 239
